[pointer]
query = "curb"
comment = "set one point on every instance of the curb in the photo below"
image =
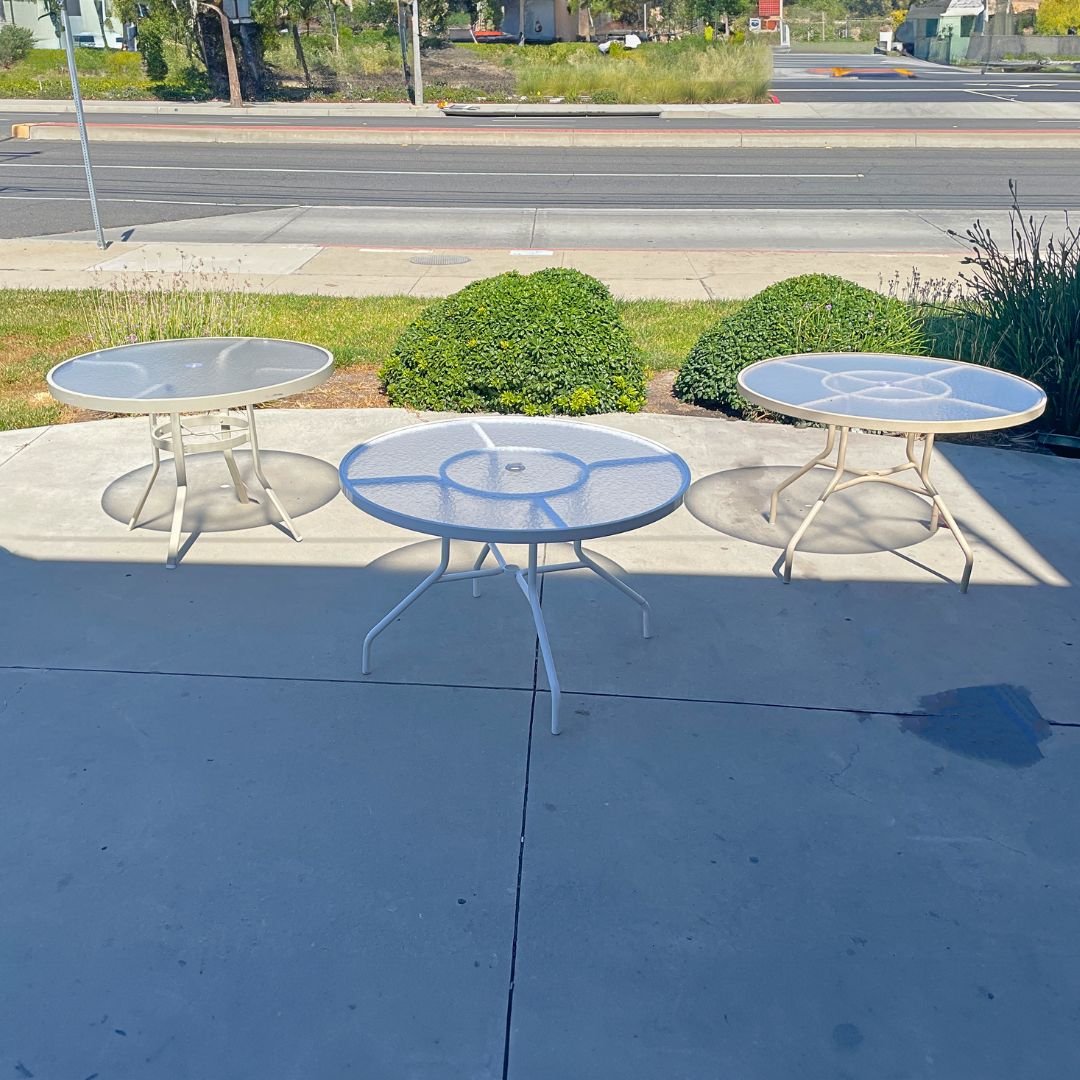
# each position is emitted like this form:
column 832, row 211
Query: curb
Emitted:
column 717, row 138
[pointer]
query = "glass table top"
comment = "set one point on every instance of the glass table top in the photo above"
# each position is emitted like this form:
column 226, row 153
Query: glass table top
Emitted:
column 514, row 479
column 186, row 373
column 891, row 392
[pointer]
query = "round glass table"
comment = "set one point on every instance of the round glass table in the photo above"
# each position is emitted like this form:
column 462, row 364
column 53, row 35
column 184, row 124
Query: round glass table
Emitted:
column 908, row 395
column 514, row 480
column 219, row 380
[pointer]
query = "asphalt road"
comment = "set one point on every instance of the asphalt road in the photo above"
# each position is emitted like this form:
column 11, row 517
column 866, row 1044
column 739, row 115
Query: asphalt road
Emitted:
column 43, row 192
column 809, row 77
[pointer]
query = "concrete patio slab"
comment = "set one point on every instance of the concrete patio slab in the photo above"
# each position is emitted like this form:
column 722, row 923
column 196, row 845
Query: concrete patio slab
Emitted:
column 760, row 893
column 12, row 442
column 820, row 830
column 237, row 877
column 862, row 624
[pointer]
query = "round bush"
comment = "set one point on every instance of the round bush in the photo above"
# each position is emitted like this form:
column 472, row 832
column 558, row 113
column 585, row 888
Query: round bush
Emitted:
column 812, row 313
column 548, row 342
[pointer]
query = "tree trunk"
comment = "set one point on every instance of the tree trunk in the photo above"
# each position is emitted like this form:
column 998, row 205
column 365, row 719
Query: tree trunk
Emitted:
column 298, row 48
column 334, row 31
column 236, row 99
column 99, row 6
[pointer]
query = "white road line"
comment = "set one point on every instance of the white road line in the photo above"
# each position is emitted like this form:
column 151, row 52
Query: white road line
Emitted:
column 986, row 93
column 592, row 211
column 167, row 202
column 441, row 172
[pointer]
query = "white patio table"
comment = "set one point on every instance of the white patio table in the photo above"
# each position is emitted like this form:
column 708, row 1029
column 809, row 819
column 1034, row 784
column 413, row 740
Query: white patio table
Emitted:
column 218, row 379
column 514, row 480
column 908, row 395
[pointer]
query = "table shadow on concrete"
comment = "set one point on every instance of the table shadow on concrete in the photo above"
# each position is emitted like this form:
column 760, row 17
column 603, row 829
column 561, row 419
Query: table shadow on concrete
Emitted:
column 862, row 520
column 302, row 483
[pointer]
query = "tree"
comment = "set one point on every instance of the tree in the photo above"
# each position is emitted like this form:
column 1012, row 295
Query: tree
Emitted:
column 728, row 10
column 1056, row 17
column 99, row 8
column 236, row 99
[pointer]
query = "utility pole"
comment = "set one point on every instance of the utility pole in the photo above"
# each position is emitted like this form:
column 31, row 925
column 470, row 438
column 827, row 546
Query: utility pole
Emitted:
column 418, row 78
column 76, row 96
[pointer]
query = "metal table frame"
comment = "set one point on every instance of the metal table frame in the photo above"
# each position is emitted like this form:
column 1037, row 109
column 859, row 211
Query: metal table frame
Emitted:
column 910, row 429
column 527, row 578
column 528, row 581
column 223, row 430
column 222, row 422
column 885, row 476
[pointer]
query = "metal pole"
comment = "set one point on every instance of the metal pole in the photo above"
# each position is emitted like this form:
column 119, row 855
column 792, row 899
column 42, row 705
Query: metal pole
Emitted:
column 418, row 79
column 69, row 48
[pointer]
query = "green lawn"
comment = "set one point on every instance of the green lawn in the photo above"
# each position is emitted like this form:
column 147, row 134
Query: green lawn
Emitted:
column 40, row 328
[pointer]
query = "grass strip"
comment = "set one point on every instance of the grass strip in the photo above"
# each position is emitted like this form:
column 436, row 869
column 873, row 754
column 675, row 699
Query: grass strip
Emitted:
column 39, row 328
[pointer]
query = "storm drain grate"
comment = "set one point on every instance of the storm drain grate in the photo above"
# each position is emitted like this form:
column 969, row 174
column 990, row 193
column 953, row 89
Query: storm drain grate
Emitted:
column 440, row 260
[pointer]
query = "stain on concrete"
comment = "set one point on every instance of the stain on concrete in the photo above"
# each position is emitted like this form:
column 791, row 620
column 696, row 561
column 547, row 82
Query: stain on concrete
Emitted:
column 997, row 724
column 846, row 1037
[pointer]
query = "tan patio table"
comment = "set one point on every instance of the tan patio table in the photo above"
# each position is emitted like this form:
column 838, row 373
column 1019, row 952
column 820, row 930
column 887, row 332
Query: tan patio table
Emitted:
column 908, row 395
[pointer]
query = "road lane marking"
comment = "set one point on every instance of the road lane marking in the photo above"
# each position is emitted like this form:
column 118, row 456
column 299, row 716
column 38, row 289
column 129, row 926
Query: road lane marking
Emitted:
column 443, row 172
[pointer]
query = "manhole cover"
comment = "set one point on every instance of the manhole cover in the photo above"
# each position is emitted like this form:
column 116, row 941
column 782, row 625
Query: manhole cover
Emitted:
column 440, row 260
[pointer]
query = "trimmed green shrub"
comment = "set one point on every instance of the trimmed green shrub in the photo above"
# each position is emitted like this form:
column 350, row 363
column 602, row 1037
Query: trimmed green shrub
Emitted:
column 812, row 313
column 548, row 342
column 15, row 44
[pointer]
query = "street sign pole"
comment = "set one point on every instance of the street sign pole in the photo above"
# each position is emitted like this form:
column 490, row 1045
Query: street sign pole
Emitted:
column 418, row 77
column 69, row 48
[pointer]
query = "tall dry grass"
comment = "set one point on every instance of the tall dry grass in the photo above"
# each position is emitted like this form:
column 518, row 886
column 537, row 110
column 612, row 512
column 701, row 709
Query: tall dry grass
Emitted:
column 668, row 73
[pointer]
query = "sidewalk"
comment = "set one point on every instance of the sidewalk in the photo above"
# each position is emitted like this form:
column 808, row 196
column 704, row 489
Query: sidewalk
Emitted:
column 805, row 831
column 356, row 271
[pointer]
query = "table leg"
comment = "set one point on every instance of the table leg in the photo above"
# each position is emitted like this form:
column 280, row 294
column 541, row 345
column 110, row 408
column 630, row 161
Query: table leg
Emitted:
column 528, row 587
column 386, row 620
column 283, row 516
column 153, row 474
column 180, row 465
column 484, row 552
column 939, row 510
column 230, row 461
column 830, row 487
column 943, row 510
column 830, row 439
column 625, row 589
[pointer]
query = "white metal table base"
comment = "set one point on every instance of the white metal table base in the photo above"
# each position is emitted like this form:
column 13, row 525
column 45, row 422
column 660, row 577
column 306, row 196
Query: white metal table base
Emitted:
column 527, row 580
column 222, row 430
column 921, row 468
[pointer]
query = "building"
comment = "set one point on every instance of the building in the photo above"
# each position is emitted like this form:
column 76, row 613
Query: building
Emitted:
column 941, row 30
column 545, row 20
